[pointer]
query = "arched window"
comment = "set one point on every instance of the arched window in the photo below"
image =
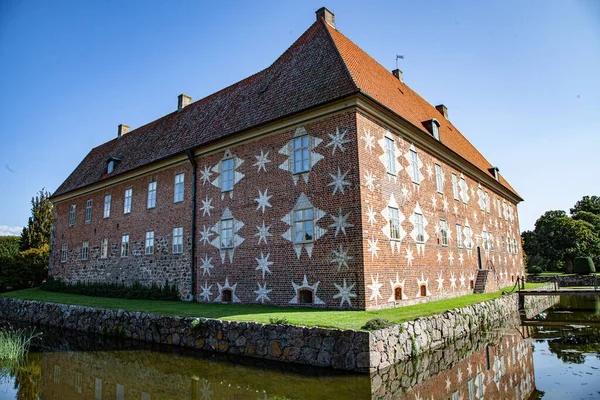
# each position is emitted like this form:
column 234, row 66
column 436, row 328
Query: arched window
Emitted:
column 305, row 296
column 226, row 295
column 423, row 291
column 471, row 284
column 398, row 293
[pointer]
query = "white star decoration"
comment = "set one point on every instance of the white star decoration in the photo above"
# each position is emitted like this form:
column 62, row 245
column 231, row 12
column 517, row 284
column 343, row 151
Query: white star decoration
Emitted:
column 409, row 256
column 445, row 204
column 345, row 293
column 206, row 207
column 206, row 265
column 341, row 258
column 452, row 281
column 263, row 232
column 227, row 286
column 462, row 280
column 373, row 249
column 340, row 223
column 263, row 264
column 405, row 192
column 339, row 181
column 262, row 293
column 205, row 175
column 371, row 215
column 450, row 258
column 263, row 200
column 369, row 140
column 375, row 288
column 370, row 181
column 434, row 202
column 205, row 235
column 262, row 160
column 305, row 286
column 439, row 257
column 206, row 293
column 429, row 171
column 337, row 141
column 440, row 281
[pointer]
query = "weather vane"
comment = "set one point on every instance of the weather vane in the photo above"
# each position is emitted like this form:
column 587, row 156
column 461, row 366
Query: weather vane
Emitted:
column 398, row 57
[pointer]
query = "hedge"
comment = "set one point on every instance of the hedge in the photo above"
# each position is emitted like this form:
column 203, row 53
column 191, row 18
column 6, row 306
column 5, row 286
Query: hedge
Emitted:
column 583, row 266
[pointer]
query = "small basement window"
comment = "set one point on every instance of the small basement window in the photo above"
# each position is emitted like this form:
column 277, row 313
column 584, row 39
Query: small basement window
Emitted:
column 472, row 284
column 305, row 296
column 423, row 291
column 226, row 295
column 398, row 293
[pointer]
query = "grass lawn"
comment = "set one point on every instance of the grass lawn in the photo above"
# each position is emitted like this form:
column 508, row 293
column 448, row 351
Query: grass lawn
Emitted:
column 555, row 273
column 234, row 312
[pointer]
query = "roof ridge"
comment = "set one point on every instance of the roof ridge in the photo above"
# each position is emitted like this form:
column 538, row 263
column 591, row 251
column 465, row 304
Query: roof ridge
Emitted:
column 337, row 51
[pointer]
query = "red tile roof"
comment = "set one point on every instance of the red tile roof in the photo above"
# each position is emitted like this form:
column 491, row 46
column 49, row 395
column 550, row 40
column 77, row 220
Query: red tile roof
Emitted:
column 321, row 66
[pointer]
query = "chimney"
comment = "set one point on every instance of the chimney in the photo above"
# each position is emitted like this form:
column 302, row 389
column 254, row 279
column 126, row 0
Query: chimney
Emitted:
column 182, row 101
column 326, row 15
column 123, row 130
column 443, row 110
column 398, row 74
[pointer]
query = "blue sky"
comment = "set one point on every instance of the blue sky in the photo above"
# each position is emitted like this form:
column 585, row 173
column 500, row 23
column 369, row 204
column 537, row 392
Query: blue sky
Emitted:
column 520, row 78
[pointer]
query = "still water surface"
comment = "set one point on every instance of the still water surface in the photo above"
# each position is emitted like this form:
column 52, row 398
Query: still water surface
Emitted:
column 555, row 355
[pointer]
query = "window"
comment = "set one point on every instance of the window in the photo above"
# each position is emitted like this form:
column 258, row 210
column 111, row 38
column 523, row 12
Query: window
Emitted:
column 515, row 246
column 301, row 155
column 98, row 389
column 303, row 225
column 487, row 202
column 455, row 186
column 178, row 196
column 484, row 236
column 491, row 239
column 463, row 186
column 110, row 167
column 398, row 293
column 178, row 240
column 305, row 296
column 423, row 291
column 227, row 175
column 127, row 203
column 104, row 249
column 468, row 234
column 391, row 156
column 415, row 166
column 444, row 232
column 78, row 382
column 509, row 245
column 152, row 195
column 499, row 207
column 439, row 178
column 107, row 206
column 459, row 238
column 149, row 243
column 394, row 223
column 88, row 211
column 124, row 245
column 85, row 250
column 226, row 295
column 481, row 199
column 419, row 225
column 435, row 130
column 120, row 392
column 63, row 253
column 227, row 233
column 503, row 245
column 72, row 214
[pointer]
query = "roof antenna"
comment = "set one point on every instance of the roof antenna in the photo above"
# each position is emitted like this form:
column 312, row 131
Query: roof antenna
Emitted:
column 398, row 57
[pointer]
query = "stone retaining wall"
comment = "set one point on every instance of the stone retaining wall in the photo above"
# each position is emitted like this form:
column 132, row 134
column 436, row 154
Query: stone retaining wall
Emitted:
column 348, row 349
column 573, row 280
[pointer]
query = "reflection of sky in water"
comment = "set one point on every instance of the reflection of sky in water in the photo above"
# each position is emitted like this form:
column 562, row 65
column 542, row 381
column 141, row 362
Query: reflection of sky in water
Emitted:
column 563, row 380
column 6, row 389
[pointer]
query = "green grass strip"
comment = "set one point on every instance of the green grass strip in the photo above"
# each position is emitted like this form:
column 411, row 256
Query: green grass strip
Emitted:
column 262, row 314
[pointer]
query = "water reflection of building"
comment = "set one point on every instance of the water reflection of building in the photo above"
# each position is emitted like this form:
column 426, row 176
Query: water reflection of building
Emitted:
column 494, row 368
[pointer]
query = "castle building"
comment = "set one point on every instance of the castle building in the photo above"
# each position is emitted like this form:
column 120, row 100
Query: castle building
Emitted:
column 322, row 181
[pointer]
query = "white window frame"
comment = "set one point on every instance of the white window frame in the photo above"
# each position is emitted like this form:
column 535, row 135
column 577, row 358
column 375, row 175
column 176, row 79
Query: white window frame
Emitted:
column 515, row 248
column 439, row 178
column 444, row 232
column 151, row 203
column 227, row 174
column 127, row 201
column 88, row 211
column 435, row 130
column 301, row 154
column 178, row 189
column 85, row 250
column 125, row 245
column 455, row 187
column 303, row 221
column 107, row 200
column 486, row 197
column 178, row 240
column 390, row 155
column 420, row 228
column 72, row 210
column 104, row 248
column 64, row 253
column 149, row 245
column 226, row 233
column 484, row 237
column 394, row 215
column 414, row 157
column 482, row 197
column 491, row 239
column 499, row 204
column 503, row 244
column 463, row 186
column 469, row 234
column 459, row 236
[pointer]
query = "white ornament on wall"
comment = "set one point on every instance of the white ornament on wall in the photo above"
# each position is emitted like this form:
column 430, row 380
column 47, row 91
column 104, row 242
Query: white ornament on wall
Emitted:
column 395, row 243
column 345, row 293
column 205, row 235
column 313, row 156
column 373, row 248
column 206, row 265
column 262, row 293
column 375, row 288
column 338, row 141
column 369, row 140
column 405, row 193
column 263, row 200
column 341, row 258
column 450, row 258
column 409, row 256
column 339, row 181
column 423, row 282
column 263, row 233
column 237, row 176
column 419, row 245
column 384, row 157
column 452, row 281
column 409, row 169
column 397, row 284
column 462, row 280
column 206, row 292
column 305, row 286
column 370, row 180
column 264, row 264
column 206, row 206
column 340, row 223
column 429, row 170
column 303, row 203
column 440, row 282
column 205, row 175
column 262, row 160
column 227, row 286
column 236, row 239
column 371, row 215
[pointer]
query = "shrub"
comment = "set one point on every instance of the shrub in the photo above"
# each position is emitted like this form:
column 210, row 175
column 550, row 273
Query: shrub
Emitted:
column 534, row 269
column 9, row 246
column 116, row 290
column 278, row 320
column 26, row 269
column 583, row 266
column 376, row 324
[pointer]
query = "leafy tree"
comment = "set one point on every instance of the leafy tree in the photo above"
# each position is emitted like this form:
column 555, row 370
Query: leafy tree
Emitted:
column 37, row 232
column 587, row 203
column 9, row 246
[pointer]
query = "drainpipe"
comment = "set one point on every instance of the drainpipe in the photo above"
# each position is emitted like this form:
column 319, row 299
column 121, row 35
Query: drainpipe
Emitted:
column 190, row 155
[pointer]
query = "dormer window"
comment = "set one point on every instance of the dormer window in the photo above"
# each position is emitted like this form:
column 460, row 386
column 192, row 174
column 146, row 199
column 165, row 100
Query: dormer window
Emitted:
column 111, row 166
column 435, row 131
column 494, row 172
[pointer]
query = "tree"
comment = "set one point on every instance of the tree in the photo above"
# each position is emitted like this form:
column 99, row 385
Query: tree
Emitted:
column 38, row 230
column 9, row 246
column 587, row 203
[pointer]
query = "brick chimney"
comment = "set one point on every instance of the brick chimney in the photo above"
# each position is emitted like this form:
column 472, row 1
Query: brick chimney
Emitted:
column 326, row 15
column 183, row 100
column 123, row 130
column 398, row 74
column 443, row 110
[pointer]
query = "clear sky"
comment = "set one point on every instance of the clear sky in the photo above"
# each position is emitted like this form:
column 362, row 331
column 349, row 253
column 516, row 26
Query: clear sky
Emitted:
column 521, row 79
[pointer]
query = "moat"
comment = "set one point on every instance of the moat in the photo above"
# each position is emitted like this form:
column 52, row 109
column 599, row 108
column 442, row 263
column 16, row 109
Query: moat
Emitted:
column 554, row 355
